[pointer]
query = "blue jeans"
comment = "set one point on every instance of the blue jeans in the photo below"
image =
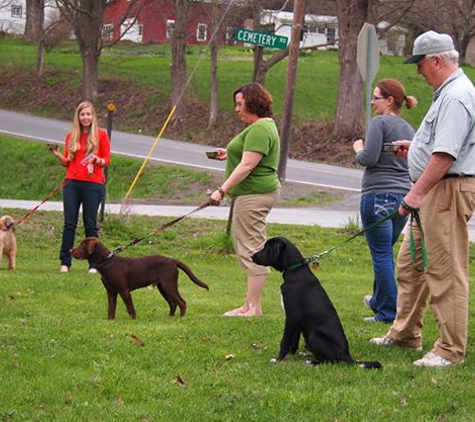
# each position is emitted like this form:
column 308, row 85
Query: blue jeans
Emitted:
column 75, row 194
column 381, row 239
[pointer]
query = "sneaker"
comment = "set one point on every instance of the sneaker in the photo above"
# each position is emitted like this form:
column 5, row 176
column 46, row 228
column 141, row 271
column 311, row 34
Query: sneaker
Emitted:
column 366, row 300
column 64, row 269
column 433, row 360
column 92, row 271
column 386, row 341
column 370, row 319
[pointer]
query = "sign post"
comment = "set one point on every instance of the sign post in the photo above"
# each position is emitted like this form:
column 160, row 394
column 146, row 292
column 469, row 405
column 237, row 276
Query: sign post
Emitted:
column 264, row 39
column 367, row 58
column 110, row 116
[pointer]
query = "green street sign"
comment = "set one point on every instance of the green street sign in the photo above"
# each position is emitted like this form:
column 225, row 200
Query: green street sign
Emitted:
column 265, row 39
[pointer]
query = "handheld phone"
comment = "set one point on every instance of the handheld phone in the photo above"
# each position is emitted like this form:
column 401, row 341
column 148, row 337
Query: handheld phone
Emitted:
column 212, row 154
column 391, row 147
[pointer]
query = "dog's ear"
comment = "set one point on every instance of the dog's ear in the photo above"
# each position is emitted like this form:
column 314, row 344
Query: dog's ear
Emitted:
column 90, row 246
column 281, row 245
column 10, row 224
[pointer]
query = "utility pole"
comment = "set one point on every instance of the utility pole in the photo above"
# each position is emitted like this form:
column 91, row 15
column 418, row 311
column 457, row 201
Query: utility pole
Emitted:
column 299, row 13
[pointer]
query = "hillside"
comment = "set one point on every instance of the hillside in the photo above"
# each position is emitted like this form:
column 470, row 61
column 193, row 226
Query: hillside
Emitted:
column 138, row 111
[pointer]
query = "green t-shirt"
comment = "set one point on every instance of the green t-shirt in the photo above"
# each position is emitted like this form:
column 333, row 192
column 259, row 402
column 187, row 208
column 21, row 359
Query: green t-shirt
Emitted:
column 263, row 137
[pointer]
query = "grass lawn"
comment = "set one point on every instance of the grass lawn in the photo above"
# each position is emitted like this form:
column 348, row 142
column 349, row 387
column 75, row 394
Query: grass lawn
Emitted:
column 62, row 360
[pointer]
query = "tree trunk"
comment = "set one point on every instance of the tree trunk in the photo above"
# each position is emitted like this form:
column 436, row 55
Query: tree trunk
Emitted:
column 86, row 17
column 35, row 17
column 178, row 67
column 265, row 65
column 213, row 95
column 352, row 14
column 40, row 58
column 90, row 74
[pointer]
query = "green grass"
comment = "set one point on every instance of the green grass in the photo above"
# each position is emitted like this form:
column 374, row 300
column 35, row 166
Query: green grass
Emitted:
column 62, row 360
column 41, row 175
column 170, row 183
column 148, row 66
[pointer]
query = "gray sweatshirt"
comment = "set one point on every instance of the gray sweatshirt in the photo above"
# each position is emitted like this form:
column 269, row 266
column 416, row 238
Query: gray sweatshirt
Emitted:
column 384, row 171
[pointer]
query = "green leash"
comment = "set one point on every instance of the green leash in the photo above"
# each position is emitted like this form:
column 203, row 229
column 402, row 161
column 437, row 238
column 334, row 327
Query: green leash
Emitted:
column 414, row 214
column 314, row 259
column 412, row 244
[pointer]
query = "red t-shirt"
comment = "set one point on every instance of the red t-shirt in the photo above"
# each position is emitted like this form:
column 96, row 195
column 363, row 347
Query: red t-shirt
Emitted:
column 77, row 171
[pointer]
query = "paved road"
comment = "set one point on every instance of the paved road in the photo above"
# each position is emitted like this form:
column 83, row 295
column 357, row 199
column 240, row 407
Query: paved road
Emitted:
column 136, row 145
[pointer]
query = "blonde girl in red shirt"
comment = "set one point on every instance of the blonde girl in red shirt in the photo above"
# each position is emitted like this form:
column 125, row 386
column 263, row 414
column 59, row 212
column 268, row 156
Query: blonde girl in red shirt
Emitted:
column 86, row 153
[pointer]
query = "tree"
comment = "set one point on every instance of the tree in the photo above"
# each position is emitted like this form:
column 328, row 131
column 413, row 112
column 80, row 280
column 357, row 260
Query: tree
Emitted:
column 35, row 17
column 178, row 65
column 352, row 14
column 213, row 46
column 455, row 17
column 86, row 18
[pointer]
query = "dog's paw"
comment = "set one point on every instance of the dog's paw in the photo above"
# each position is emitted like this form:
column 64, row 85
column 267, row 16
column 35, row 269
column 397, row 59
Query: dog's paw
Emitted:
column 273, row 360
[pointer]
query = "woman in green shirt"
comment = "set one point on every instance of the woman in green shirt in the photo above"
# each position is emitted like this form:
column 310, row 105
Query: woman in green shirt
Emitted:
column 252, row 184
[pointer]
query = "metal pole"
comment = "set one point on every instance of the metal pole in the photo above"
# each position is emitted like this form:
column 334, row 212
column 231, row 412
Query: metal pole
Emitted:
column 110, row 117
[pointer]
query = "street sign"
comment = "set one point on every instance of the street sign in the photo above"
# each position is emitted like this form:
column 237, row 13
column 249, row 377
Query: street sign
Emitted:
column 367, row 58
column 264, row 39
column 367, row 52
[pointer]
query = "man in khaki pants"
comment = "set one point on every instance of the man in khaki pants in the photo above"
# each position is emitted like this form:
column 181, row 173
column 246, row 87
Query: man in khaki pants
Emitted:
column 441, row 161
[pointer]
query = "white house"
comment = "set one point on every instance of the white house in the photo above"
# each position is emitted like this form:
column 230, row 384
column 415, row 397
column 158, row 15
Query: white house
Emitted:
column 318, row 30
column 321, row 31
column 13, row 15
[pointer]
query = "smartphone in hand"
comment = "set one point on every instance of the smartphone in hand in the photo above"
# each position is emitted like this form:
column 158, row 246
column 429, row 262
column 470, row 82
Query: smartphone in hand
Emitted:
column 212, row 154
column 391, row 147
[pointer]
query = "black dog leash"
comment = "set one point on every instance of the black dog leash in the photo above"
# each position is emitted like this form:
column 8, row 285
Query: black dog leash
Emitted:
column 158, row 229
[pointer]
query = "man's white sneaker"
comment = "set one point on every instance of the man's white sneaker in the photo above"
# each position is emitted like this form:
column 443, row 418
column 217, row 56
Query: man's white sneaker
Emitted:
column 386, row 341
column 366, row 300
column 433, row 360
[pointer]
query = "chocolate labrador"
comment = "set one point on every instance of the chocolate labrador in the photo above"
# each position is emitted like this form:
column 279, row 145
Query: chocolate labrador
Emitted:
column 308, row 309
column 122, row 275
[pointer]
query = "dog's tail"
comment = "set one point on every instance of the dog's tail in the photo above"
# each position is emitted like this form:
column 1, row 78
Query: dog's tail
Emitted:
column 190, row 274
column 369, row 365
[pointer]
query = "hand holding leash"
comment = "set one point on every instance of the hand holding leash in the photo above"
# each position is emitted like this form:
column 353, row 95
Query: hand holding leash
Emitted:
column 216, row 196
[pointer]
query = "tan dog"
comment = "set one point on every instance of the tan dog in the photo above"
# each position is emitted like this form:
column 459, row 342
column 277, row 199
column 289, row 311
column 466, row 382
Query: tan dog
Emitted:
column 121, row 275
column 8, row 240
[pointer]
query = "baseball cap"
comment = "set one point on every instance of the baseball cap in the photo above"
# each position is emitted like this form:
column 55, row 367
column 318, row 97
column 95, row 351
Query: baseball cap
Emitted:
column 430, row 42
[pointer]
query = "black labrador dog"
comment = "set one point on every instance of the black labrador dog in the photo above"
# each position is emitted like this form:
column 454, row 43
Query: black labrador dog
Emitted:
column 308, row 309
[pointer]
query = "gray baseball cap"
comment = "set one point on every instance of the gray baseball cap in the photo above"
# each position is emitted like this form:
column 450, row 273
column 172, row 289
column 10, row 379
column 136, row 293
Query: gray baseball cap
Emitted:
column 430, row 42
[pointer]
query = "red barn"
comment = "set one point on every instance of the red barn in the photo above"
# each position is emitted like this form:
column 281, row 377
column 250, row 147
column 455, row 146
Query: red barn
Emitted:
column 153, row 22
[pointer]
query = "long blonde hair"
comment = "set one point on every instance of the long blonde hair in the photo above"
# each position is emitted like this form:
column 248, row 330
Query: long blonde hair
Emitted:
column 92, row 142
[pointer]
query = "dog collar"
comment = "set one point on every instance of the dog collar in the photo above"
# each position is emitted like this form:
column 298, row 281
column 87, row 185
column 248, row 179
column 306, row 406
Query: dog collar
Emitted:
column 303, row 262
